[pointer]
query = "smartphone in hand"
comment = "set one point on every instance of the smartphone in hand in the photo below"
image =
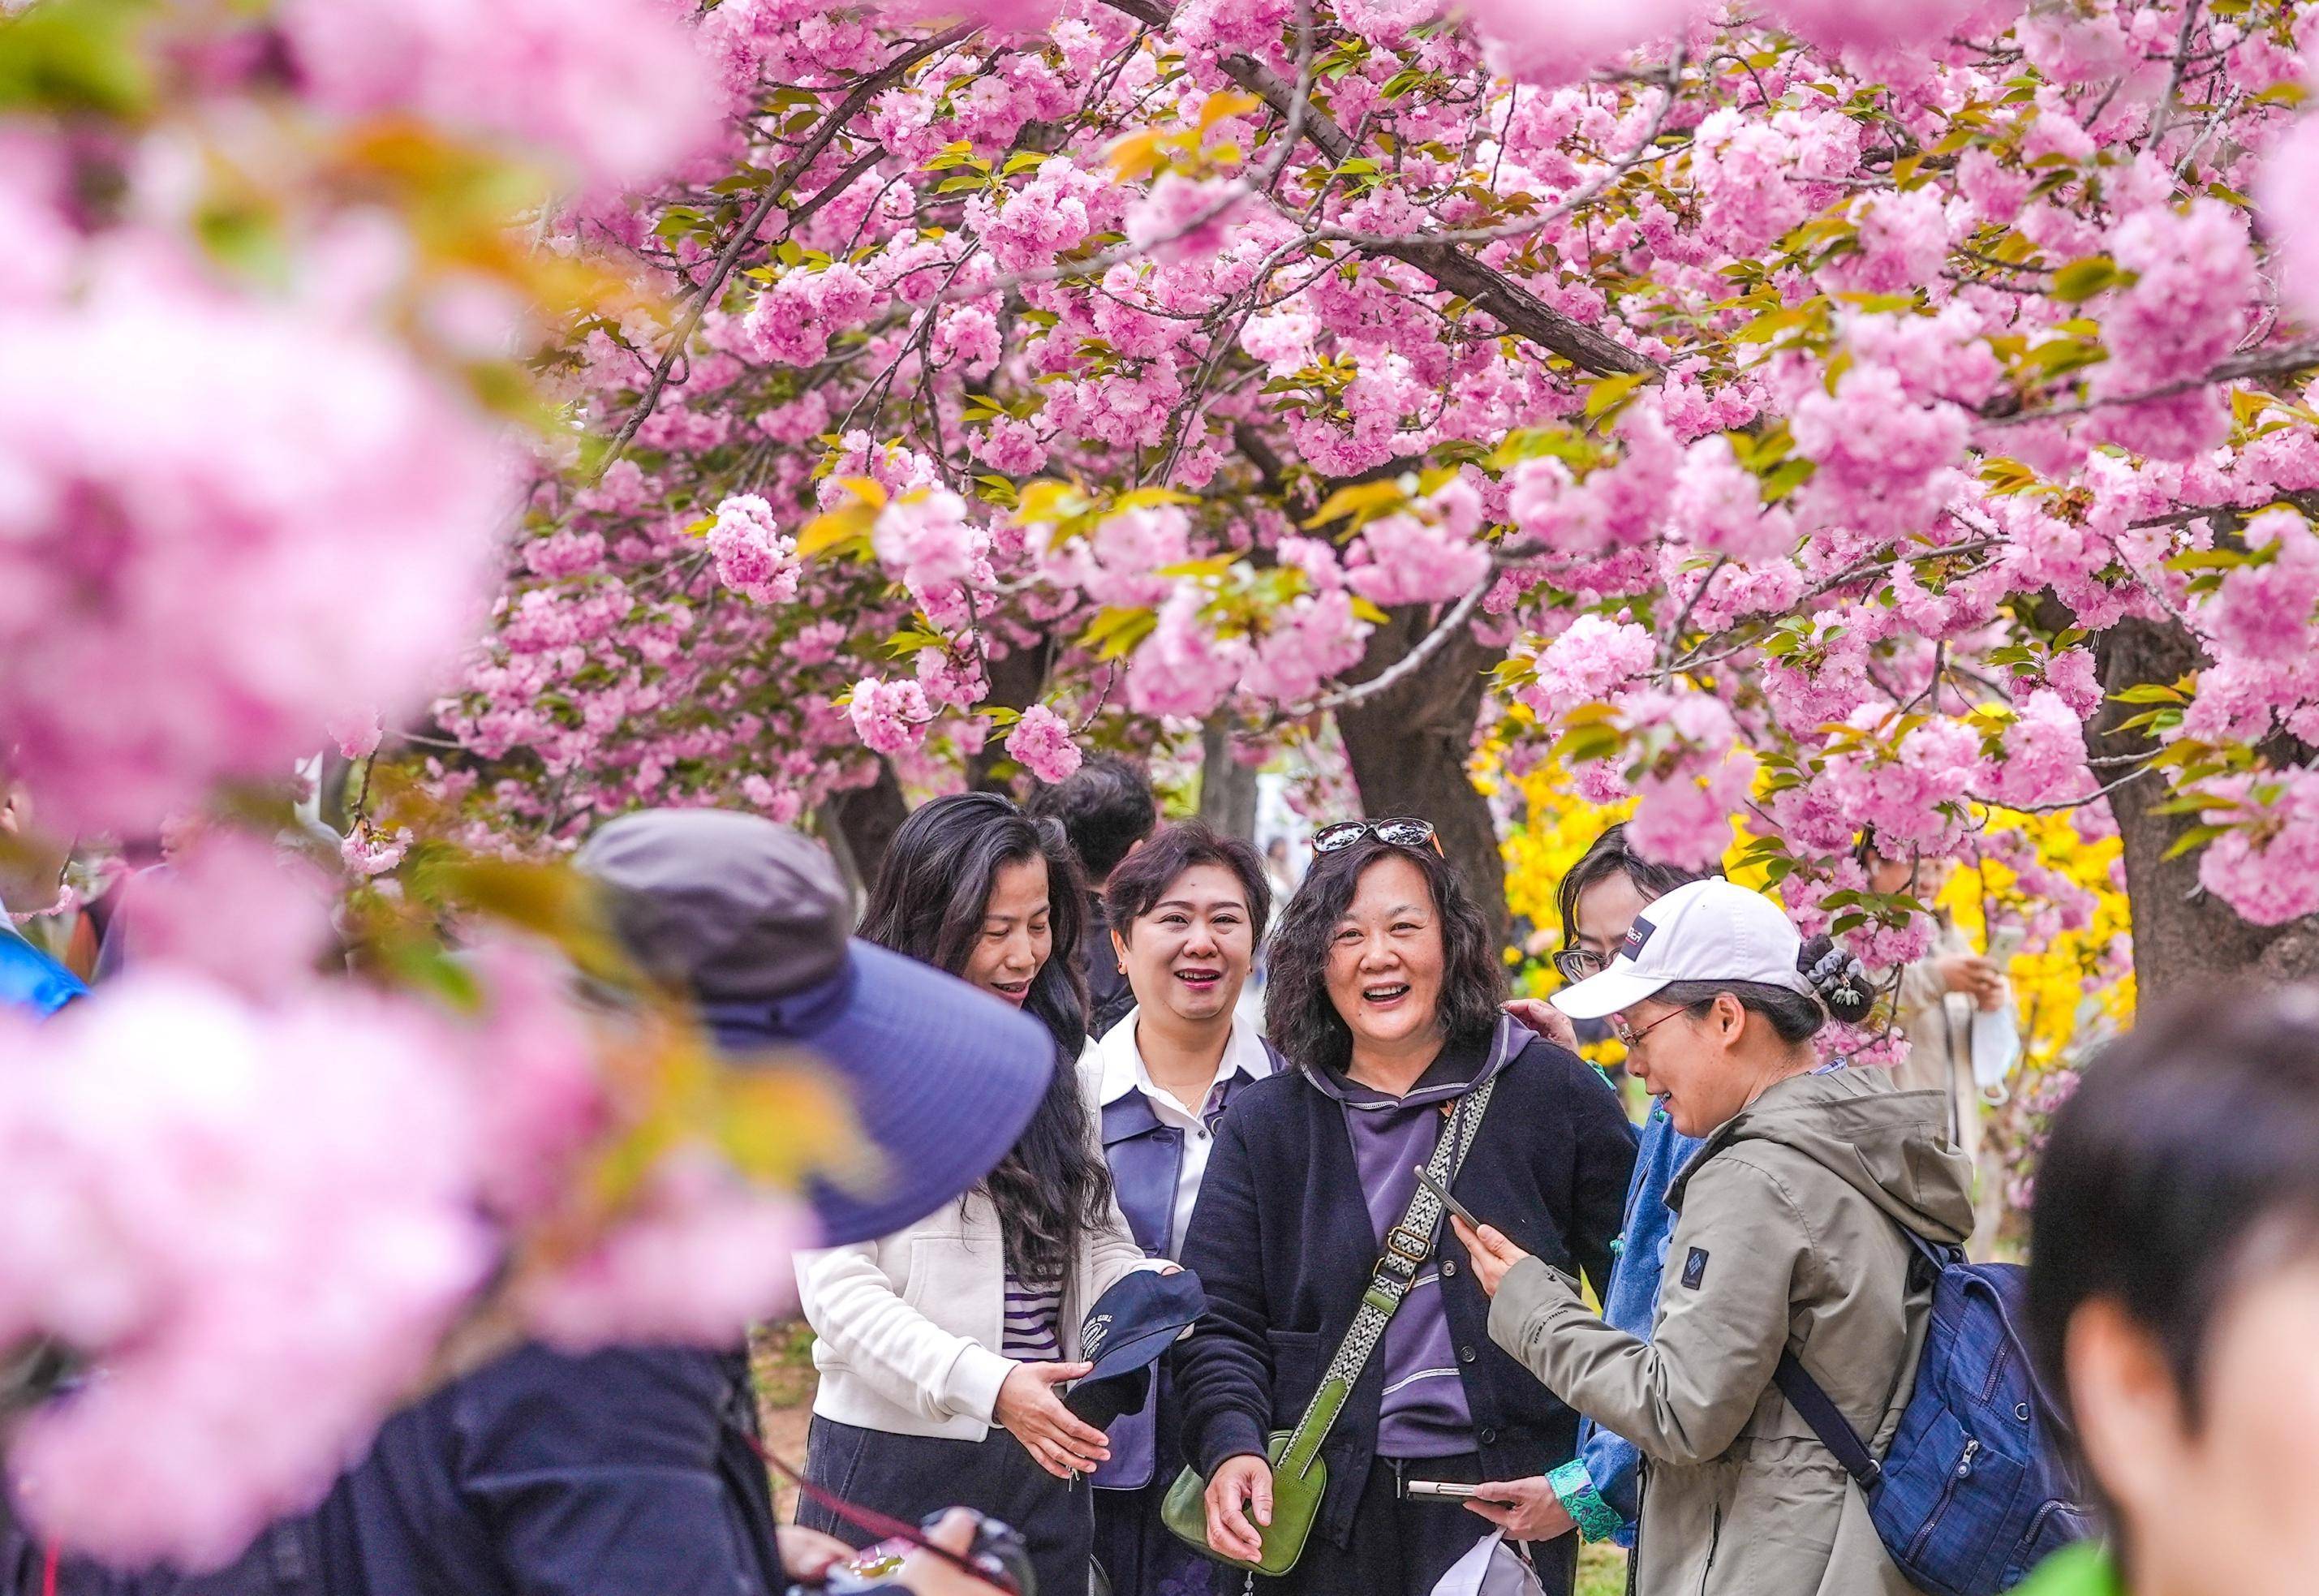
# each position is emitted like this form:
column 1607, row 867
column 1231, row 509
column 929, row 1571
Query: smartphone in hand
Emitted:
column 1449, row 1202
column 1439, row 1490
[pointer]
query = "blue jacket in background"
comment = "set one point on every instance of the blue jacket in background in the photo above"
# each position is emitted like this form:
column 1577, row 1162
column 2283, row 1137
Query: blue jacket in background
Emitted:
column 1606, row 1465
column 31, row 980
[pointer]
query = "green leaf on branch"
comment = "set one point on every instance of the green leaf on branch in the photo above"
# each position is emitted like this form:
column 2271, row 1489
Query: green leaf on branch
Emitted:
column 2080, row 280
column 1116, row 630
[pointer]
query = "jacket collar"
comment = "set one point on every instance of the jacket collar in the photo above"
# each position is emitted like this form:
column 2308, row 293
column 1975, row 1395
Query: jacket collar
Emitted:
column 1121, row 1073
column 1456, row 1071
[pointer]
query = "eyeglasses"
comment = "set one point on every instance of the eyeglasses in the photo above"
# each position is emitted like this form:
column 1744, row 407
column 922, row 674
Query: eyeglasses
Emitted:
column 1404, row 832
column 1631, row 1038
column 1576, row 964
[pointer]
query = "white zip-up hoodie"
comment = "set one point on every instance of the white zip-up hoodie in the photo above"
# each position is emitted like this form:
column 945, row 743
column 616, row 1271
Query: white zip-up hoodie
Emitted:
column 908, row 1328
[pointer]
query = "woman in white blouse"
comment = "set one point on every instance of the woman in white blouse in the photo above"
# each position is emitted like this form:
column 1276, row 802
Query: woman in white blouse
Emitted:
column 930, row 1341
column 1187, row 910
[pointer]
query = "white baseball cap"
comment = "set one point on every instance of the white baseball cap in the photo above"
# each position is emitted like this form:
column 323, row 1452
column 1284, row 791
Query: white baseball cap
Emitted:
column 1703, row 931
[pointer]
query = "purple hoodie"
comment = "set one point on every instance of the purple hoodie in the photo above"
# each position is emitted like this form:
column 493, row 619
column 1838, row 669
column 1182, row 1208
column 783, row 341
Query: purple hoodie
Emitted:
column 1424, row 1412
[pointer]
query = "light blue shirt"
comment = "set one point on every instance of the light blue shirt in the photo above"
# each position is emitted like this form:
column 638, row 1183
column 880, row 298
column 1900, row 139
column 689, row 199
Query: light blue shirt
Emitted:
column 1612, row 1462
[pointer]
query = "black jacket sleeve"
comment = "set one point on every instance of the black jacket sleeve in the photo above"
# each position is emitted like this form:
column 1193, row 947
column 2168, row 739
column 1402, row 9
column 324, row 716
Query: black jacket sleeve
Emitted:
column 1222, row 1371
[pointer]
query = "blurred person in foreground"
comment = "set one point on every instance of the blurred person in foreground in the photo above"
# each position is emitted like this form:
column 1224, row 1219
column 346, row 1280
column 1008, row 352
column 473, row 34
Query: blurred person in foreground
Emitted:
column 31, row 870
column 2174, row 1299
column 1107, row 811
column 635, row 1471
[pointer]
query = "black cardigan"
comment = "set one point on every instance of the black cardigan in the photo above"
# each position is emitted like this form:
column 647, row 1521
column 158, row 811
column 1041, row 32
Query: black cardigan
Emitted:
column 1283, row 1242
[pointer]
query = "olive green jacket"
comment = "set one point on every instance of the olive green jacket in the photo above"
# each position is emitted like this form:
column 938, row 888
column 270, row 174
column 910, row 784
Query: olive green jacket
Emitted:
column 1786, row 1237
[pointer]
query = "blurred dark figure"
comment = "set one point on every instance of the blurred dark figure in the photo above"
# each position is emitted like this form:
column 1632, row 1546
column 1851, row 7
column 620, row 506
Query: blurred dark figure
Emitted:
column 1108, row 811
column 2174, row 1299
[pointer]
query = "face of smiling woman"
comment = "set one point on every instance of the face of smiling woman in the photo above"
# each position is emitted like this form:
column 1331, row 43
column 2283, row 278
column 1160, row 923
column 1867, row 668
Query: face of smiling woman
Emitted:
column 1385, row 961
column 1016, row 936
column 1188, row 954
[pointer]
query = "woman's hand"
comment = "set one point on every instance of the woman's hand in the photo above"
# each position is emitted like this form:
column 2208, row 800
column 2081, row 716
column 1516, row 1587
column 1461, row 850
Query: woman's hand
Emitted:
column 1058, row 1439
column 1243, row 1480
column 1492, row 1253
column 1977, row 978
column 1536, row 1013
column 1526, row 1510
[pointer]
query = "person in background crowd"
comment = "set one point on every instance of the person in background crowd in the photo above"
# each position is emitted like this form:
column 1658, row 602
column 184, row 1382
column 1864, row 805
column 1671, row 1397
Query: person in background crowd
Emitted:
column 1789, row 1228
column 1385, row 997
column 1280, row 868
column 927, row 1339
column 1598, row 900
column 635, row 1471
column 31, row 871
column 2174, row 1299
column 1106, row 809
column 1188, row 911
column 1937, row 997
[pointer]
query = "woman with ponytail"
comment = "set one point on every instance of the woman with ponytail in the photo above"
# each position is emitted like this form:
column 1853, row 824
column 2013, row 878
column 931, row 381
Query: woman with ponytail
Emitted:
column 932, row 1341
column 1792, row 1234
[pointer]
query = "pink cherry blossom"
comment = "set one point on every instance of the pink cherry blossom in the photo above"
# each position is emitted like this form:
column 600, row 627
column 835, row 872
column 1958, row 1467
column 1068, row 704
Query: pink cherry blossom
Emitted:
column 1594, row 659
column 1042, row 742
column 889, row 717
column 619, row 88
column 753, row 555
column 185, row 1173
column 231, row 554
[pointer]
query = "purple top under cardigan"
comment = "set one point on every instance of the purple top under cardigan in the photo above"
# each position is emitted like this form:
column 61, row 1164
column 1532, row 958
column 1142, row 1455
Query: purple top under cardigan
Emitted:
column 1424, row 1412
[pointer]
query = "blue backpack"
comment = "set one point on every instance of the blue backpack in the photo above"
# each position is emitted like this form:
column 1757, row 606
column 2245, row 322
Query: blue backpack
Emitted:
column 1973, row 1493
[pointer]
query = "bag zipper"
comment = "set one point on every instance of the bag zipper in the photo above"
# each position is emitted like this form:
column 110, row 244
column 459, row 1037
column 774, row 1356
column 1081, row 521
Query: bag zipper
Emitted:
column 1962, row 1470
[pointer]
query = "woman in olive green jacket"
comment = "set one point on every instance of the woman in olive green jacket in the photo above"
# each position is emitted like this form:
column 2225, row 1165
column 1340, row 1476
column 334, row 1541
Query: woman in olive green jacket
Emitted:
column 1789, row 1235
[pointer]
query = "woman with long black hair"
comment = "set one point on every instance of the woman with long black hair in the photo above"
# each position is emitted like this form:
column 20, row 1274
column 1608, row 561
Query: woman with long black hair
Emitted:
column 930, row 1340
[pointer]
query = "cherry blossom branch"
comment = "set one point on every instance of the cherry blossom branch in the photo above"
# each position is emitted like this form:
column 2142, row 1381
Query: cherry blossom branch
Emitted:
column 1427, row 647
column 1667, row 643
column 2282, row 361
column 775, row 187
column 1586, row 193
column 2074, row 803
column 2163, row 111
column 1486, row 289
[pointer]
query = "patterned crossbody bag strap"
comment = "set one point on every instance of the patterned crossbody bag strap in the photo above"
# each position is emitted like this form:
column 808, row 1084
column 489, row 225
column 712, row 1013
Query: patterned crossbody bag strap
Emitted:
column 1407, row 1246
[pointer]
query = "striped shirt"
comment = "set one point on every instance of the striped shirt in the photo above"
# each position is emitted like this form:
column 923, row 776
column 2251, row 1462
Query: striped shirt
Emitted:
column 1033, row 1310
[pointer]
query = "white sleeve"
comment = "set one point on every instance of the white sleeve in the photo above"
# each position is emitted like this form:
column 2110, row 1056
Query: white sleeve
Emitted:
column 897, row 1351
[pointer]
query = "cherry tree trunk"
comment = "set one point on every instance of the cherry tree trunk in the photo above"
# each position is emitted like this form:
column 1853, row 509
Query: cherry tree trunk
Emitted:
column 859, row 826
column 1227, row 787
column 2183, row 936
column 1409, row 744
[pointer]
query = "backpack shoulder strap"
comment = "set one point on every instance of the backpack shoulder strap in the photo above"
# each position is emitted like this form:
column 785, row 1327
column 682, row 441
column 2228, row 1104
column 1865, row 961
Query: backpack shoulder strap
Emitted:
column 1819, row 1410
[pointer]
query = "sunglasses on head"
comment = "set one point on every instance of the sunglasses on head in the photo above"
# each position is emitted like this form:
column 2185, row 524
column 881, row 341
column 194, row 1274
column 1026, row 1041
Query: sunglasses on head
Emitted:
column 1406, row 832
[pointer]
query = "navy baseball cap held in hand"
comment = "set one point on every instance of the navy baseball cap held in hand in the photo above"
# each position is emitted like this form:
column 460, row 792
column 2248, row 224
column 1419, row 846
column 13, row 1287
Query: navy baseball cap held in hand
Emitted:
column 1124, row 1334
column 752, row 921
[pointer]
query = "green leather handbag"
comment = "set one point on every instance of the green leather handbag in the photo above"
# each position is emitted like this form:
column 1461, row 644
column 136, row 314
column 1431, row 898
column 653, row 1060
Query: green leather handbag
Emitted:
column 1300, row 1478
column 1300, row 1475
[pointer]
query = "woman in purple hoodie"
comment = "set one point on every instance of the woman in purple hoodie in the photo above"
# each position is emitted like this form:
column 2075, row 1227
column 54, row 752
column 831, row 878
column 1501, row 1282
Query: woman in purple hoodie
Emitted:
column 1384, row 999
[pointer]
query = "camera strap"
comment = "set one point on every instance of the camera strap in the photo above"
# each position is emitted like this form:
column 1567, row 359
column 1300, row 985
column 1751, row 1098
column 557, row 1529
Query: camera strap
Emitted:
column 870, row 1519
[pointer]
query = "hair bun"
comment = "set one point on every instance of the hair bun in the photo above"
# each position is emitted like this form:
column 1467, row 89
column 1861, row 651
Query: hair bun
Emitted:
column 1840, row 979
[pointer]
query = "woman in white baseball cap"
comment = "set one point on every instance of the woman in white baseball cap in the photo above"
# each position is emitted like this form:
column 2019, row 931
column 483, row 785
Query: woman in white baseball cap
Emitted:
column 1791, row 1233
